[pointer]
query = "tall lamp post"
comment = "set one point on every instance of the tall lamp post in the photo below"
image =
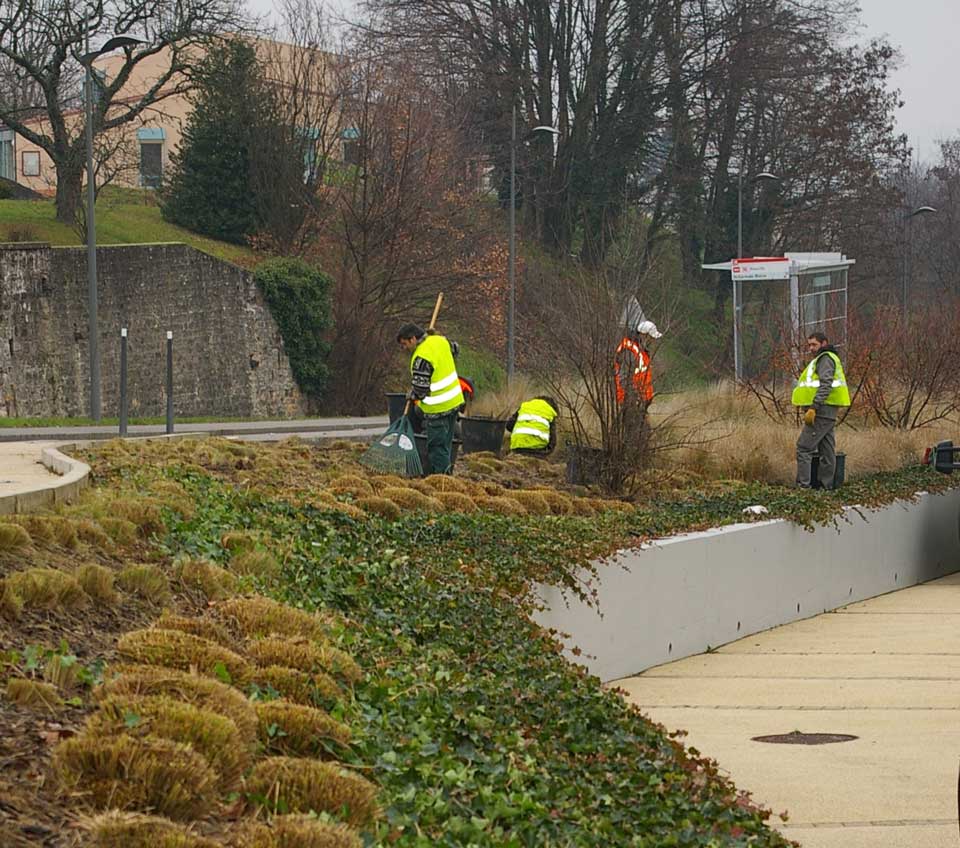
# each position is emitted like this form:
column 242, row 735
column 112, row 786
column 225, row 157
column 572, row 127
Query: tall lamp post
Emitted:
column 737, row 359
column 908, row 251
column 512, row 304
column 87, row 60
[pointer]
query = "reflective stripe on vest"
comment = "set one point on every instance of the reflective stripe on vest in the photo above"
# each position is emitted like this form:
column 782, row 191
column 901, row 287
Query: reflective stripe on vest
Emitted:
column 532, row 431
column 445, row 392
column 809, row 382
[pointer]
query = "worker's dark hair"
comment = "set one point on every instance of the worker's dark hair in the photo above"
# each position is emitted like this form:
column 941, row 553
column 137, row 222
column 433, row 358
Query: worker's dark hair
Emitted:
column 409, row 331
column 549, row 400
column 816, row 334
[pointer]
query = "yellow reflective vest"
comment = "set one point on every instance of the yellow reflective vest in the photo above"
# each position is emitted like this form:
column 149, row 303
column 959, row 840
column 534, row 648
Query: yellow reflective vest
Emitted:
column 532, row 430
column 809, row 382
column 445, row 392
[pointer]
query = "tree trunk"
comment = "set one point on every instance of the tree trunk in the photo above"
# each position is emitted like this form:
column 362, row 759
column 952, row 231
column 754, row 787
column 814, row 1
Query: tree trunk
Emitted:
column 69, row 189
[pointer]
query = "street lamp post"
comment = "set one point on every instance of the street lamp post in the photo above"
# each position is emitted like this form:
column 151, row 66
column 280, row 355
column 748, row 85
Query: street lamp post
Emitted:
column 87, row 61
column 908, row 252
column 737, row 359
column 512, row 303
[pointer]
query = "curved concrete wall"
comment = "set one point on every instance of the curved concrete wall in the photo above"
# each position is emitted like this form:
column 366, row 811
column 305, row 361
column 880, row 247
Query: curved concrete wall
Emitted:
column 680, row 596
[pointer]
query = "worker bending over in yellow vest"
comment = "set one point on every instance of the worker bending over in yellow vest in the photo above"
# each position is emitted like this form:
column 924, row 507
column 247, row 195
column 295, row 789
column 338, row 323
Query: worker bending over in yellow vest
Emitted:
column 822, row 391
column 532, row 427
column 436, row 390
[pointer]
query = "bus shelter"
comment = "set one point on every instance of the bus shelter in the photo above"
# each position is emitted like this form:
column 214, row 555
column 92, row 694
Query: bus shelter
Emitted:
column 779, row 300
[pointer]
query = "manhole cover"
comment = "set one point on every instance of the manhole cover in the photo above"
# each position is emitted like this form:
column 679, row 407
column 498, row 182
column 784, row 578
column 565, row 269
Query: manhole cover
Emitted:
column 798, row 738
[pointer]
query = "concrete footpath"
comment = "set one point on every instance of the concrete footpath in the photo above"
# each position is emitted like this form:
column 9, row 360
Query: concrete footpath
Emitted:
column 886, row 670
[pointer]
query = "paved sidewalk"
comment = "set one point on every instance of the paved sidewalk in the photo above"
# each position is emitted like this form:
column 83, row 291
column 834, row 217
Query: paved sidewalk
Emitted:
column 21, row 469
column 304, row 427
column 885, row 670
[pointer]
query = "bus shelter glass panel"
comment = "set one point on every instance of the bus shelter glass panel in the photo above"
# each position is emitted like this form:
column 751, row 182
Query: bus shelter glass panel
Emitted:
column 823, row 305
column 765, row 326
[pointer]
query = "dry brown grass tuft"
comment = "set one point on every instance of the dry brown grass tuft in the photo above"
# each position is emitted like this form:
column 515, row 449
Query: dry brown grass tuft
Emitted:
column 205, row 627
column 304, row 655
column 61, row 671
column 456, row 502
column 32, row 693
column 410, row 498
column 13, row 538
column 582, row 506
column 613, row 505
column 237, row 541
column 47, row 588
column 559, row 503
column 174, row 649
column 174, row 496
column 500, row 505
column 144, row 512
column 447, row 483
column 93, row 534
column 533, row 502
column 122, row 531
column 64, row 532
column 298, row 831
column 301, row 785
column 38, row 526
column 127, row 773
column 350, row 510
column 254, row 563
column 494, row 490
column 261, row 616
column 299, row 686
column 214, row 736
column 147, row 581
column 482, row 466
column 351, row 484
column 296, row 729
column 97, row 582
column 211, row 581
column 11, row 604
column 384, row 507
column 117, row 829
column 203, row 692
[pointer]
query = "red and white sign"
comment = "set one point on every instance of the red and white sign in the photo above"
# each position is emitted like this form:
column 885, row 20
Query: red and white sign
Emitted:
column 761, row 268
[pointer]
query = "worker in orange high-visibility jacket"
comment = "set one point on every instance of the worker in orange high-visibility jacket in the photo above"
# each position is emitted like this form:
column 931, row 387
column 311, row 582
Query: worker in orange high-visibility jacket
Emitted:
column 631, row 366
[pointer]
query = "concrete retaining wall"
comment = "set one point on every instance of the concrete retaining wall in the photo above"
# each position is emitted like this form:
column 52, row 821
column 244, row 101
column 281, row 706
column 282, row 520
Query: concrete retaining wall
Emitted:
column 676, row 597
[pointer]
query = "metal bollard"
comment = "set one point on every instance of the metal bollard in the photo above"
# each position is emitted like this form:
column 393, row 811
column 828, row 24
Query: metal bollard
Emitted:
column 123, row 381
column 169, row 381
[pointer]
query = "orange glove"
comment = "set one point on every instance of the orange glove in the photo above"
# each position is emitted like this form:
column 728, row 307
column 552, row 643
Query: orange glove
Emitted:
column 809, row 417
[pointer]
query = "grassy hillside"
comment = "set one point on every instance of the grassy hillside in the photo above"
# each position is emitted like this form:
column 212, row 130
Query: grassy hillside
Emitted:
column 124, row 216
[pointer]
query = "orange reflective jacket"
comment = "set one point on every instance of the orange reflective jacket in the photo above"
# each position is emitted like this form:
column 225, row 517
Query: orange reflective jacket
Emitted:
column 639, row 363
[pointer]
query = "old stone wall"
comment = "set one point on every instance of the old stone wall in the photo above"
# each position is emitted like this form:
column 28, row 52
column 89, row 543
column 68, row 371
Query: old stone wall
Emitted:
column 228, row 354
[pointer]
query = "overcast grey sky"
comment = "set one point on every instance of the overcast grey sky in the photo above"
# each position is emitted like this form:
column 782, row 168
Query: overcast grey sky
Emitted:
column 929, row 79
column 926, row 33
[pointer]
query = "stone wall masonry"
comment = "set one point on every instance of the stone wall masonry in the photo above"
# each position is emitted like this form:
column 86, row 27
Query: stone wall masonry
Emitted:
column 228, row 354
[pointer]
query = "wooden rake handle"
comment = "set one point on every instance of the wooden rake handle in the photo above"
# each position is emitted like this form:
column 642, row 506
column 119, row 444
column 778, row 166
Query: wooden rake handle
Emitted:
column 436, row 310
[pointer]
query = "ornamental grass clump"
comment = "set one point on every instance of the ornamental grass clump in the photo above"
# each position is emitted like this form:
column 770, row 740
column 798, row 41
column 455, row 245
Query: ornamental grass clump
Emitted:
column 32, row 693
column 297, row 729
column 205, row 627
column 129, row 773
column 582, row 506
column 147, row 581
column 411, row 499
column 304, row 655
column 116, row 829
column 13, row 538
column 384, row 507
column 38, row 526
column 64, row 532
column 93, row 534
column 533, row 502
column 210, row 581
column 174, row 497
column 120, row 530
column 299, row 686
column 254, row 563
column 214, row 736
column 298, row 831
column 349, row 510
column 456, row 502
column 11, row 604
column 97, row 582
column 62, row 671
column 447, row 483
column 298, row 785
column 144, row 512
column 350, row 484
column 174, row 649
column 559, row 504
column 204, row 692
column 260, row 616
column 47, row 588
column 237, row 541
column 500, row 505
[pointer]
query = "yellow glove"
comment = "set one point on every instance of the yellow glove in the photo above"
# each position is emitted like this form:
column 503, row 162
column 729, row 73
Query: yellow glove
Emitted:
column 809, row 417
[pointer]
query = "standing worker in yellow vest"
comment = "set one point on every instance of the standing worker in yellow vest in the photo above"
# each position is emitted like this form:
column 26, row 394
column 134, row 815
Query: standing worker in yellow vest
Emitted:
column 436, row 389
column 822, row 390
column 532, row 427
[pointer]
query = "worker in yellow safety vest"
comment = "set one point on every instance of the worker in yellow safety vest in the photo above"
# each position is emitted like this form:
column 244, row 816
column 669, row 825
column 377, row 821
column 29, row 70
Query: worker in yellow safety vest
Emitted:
column 435, row 389
column 821, row 391
column 533, row 426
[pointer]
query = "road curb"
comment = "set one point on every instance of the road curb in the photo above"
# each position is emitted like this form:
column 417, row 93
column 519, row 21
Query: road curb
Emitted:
column 74, row 477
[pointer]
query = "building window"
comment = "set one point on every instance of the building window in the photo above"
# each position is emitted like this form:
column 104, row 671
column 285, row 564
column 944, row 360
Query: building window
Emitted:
column 151, row 156
column 30, row 163
column 350, row 146
column 8, row 168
